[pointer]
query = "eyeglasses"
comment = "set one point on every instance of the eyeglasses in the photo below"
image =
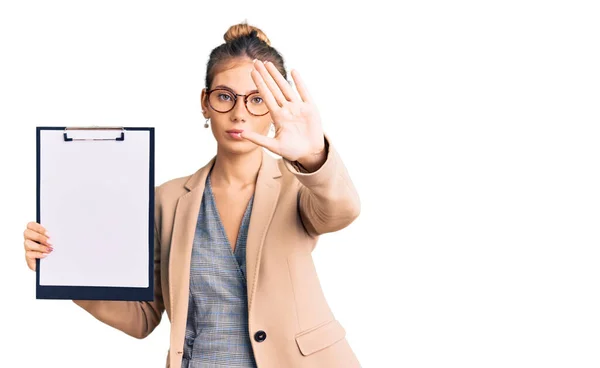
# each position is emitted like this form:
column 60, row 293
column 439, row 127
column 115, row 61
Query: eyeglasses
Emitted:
column 223, row 100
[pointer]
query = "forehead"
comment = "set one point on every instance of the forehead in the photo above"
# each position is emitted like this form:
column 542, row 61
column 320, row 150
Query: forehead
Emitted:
column 235, row 75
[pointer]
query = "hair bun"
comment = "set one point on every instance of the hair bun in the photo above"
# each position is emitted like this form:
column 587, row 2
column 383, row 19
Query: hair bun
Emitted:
column 245, row 30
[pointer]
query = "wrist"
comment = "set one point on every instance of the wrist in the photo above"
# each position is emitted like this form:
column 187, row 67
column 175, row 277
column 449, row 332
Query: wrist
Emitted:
column 314, row 161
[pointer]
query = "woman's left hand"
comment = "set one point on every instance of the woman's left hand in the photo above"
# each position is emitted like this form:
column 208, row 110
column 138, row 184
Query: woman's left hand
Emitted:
column 298, row 132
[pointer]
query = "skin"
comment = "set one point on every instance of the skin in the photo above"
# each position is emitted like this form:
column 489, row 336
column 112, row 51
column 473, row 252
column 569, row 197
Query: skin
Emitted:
column 298, row 137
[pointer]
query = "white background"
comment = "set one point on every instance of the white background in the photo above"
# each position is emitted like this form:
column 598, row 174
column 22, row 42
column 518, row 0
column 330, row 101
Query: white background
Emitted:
column 470, row 129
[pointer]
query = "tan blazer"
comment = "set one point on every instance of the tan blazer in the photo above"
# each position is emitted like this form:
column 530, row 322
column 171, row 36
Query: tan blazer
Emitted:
column 285, row 300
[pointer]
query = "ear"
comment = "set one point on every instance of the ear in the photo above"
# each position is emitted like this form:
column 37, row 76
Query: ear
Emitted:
column 204, row 104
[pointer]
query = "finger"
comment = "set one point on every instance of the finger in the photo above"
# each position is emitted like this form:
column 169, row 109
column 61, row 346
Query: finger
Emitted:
column 265, row 93
column 37, row 228
column 270, row 82
column 30, row 245
column 35, row 236
column 261, row 140
column 301, row 87
column 32, row 255
column 282, row 84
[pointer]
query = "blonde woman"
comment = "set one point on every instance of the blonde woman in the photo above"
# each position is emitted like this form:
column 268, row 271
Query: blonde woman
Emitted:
column 233, row 241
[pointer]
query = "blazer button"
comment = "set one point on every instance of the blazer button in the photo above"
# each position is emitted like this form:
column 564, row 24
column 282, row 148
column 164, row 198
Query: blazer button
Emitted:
column 260, row 336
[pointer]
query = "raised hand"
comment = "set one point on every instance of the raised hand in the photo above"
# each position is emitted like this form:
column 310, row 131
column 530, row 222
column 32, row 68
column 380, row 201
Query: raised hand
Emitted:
column 298, row 131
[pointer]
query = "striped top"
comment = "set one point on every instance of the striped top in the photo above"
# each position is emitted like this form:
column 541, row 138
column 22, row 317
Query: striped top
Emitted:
column 217, row 324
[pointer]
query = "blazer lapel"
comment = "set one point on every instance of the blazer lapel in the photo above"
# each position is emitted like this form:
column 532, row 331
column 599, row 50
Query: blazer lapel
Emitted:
column 182, row 238
column 266, row 193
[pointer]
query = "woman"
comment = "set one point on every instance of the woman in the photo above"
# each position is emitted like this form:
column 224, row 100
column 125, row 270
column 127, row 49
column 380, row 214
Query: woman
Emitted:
column 233, row 241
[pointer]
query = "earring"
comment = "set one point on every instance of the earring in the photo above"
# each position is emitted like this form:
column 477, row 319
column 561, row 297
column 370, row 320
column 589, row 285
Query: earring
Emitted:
column 206, row 123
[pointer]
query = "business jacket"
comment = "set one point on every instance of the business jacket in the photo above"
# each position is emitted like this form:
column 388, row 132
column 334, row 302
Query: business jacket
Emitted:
column 290, row 322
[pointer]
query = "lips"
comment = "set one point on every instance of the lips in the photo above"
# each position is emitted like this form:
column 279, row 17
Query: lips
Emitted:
column 235, row 134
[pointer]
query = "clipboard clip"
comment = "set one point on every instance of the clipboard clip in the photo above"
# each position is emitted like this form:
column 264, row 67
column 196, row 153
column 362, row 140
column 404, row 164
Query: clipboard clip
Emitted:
column 95, row 127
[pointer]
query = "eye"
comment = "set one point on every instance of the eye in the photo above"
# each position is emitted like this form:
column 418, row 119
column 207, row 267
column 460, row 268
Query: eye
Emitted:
column 256, row 100
column 224, row 96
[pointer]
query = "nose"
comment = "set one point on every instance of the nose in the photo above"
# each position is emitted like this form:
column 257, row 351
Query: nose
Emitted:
column 239, row 112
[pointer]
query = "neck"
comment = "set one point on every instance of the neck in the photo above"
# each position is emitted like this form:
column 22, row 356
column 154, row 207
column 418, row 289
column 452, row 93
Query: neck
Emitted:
column 236, row 171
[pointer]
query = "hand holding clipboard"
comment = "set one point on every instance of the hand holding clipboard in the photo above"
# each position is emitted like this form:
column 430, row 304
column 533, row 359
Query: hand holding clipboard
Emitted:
column 36, row 243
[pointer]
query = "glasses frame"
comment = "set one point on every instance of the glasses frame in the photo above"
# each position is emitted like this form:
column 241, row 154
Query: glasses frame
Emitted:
column 235, row 99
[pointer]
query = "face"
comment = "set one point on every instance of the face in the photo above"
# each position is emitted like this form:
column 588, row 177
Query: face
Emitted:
column 235, row 76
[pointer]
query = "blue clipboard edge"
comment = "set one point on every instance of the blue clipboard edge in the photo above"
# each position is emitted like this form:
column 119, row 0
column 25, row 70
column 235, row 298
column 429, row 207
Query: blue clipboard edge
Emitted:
column 95, row 292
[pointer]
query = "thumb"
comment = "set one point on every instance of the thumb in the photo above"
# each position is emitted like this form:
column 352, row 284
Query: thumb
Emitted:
column 261, row 140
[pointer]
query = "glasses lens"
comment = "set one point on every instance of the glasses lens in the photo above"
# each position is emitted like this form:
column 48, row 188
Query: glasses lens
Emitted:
column 221, row 100
column 256, row 104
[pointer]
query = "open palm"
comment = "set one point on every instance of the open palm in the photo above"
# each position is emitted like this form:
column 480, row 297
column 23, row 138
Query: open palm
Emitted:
column 298, row 131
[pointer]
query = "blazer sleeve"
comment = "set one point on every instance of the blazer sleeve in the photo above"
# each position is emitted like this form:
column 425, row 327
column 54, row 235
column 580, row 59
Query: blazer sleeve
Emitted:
column 327, row 198
column 135, row 318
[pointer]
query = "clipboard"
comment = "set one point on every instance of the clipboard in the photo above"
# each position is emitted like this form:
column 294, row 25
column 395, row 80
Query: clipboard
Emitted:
column 95, row 196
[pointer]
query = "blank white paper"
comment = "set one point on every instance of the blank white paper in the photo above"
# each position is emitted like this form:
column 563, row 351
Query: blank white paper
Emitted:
column 94, row 202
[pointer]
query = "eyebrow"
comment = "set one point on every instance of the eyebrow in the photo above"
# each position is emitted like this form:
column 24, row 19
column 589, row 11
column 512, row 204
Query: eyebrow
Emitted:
column 231, row 89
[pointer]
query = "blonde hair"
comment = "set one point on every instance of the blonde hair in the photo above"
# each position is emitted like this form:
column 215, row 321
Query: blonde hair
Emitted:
column 242, row 41
column 242, row 30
